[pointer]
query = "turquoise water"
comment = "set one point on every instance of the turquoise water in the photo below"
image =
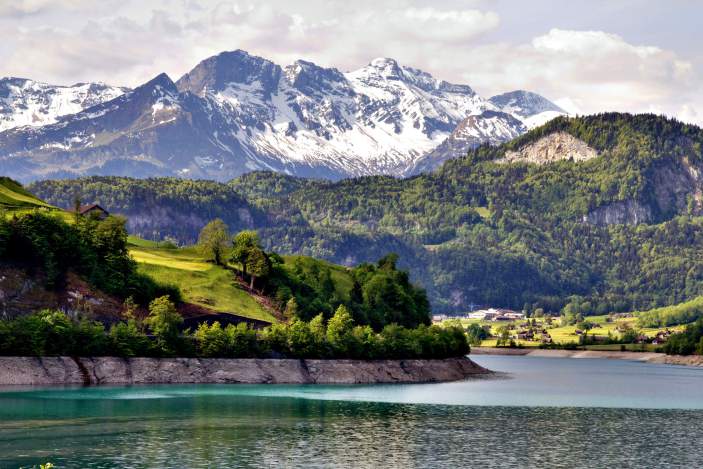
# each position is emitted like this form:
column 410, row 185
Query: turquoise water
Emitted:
column 546, row 412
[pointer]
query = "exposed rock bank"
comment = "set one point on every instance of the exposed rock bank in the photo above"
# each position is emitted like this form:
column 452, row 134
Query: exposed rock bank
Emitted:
column 111, row 370
column 649, row 357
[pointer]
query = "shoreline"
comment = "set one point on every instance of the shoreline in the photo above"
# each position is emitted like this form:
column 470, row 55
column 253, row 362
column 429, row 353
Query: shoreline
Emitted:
column 88, row 371
column 646, row 357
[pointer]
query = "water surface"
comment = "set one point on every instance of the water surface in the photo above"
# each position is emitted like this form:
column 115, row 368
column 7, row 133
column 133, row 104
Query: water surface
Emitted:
column 549, row 412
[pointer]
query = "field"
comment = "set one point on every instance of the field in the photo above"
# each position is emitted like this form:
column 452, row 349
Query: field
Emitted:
column 567, row 334
column 13, row 196
column 200, row 282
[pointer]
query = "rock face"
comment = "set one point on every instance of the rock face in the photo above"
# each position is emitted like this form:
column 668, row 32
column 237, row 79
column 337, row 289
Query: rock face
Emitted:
column 629, row 212
column 554, row 147
column 42, row 371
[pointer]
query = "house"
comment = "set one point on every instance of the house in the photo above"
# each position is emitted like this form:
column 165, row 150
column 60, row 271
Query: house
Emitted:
column 93, row 210
column 512, row 314
column 493, row 314
column 485, row 314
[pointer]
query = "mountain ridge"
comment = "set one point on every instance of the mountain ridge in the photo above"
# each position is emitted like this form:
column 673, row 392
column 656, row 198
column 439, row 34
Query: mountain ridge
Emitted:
column 541, row 229
column 235, row 112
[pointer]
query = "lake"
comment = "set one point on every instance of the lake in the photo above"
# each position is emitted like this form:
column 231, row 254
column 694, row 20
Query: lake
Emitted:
column 546, row 412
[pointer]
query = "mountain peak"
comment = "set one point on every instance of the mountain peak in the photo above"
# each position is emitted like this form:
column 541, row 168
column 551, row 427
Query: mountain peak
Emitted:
column 218, row 72
column 524, row 103
column 386, row 67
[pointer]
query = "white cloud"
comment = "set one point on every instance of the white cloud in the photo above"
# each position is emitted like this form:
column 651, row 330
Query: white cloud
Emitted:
column 126, row 42
column 592, row 71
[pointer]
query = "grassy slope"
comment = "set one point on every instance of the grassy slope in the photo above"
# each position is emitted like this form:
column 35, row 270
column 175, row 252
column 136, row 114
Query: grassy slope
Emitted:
column 200, row 282
column 15, row 200
column 14, row 196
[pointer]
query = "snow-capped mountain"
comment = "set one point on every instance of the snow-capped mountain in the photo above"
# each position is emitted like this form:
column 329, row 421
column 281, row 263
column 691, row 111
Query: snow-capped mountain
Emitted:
column 236, row 112
column 509, row 115
column 532, row 109
column 494, row 127
column 28, row 102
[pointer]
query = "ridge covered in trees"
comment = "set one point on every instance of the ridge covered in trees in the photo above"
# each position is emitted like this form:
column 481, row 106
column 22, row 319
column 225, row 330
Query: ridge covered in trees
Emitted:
column 477, row 231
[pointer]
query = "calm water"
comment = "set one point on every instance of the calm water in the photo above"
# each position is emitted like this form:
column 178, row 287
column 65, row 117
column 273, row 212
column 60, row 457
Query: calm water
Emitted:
column 549, row 412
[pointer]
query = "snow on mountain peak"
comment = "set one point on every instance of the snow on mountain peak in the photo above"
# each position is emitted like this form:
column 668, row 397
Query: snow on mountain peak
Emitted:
column 235, row 112
column 28, row 102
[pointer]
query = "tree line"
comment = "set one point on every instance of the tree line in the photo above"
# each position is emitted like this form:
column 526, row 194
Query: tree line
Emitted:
column 160, row 334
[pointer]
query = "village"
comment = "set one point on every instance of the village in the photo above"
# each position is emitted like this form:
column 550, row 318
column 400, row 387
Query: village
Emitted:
column 508, row 328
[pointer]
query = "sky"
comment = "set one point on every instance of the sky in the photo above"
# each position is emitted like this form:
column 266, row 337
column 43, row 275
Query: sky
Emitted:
column 586, row 55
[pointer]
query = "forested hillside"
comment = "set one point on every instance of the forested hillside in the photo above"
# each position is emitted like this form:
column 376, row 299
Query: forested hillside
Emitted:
column 608, row 221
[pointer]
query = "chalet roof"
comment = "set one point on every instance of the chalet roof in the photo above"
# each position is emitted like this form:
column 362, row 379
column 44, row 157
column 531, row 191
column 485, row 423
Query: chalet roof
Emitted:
column 83, row 209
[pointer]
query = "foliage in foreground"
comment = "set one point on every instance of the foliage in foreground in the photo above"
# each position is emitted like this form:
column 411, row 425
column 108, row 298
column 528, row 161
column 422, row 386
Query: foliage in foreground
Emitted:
column 53, row 333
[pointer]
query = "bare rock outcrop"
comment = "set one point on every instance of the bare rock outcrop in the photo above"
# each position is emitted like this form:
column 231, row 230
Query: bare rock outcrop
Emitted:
column 554, row 147
column 628, row 212
column 43, row 371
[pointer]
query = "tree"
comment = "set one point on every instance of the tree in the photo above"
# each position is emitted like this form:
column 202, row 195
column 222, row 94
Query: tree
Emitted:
column 503, row 336
column 291, row 310
column 258, row 264
column 242, row 245
column 213, row 241
column 476, row 334
column 338, row 329
column 164, row 321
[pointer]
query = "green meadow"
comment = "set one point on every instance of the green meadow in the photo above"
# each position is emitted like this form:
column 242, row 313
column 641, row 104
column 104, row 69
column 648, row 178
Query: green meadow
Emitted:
column 200, row 282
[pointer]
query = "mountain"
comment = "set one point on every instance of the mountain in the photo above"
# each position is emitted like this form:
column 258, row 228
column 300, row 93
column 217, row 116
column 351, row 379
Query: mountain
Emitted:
column 489, row 127
column 532, row 109
column 27, row 102
column 511, row 115
column 604, row 212
column 235, row 113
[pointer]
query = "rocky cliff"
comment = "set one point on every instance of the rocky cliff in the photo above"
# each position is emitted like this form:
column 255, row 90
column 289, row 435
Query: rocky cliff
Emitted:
column 43, row 371
column 554, row 147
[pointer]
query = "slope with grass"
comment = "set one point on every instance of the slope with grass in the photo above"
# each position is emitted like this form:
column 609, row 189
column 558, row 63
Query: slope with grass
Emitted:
column 201, row 283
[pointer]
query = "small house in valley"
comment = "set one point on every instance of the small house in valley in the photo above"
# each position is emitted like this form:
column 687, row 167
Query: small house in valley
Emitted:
column 93, row 210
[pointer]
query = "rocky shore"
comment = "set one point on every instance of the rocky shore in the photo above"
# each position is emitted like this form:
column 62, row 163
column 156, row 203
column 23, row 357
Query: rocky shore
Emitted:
column 649, row 357
column 111, row 370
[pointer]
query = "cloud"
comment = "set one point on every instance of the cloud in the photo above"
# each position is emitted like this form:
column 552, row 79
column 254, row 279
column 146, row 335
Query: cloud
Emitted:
column 126, row 42
column 593, row 71
column 20, row 8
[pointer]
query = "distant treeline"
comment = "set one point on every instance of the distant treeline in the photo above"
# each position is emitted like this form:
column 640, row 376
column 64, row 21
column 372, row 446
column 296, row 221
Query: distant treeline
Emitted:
column 683, row 313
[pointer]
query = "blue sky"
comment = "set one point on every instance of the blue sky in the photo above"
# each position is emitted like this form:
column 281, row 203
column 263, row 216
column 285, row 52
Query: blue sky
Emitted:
column 588, row 55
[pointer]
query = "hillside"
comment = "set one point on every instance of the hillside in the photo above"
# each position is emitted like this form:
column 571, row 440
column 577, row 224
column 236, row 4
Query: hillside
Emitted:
column 211, row 287
column 601, row 211
column 15, row 197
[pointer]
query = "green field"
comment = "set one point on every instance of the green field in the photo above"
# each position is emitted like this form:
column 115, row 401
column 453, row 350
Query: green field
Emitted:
column 13, row 196
column 567, row 334
column 16, row 200
column 200, row 282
